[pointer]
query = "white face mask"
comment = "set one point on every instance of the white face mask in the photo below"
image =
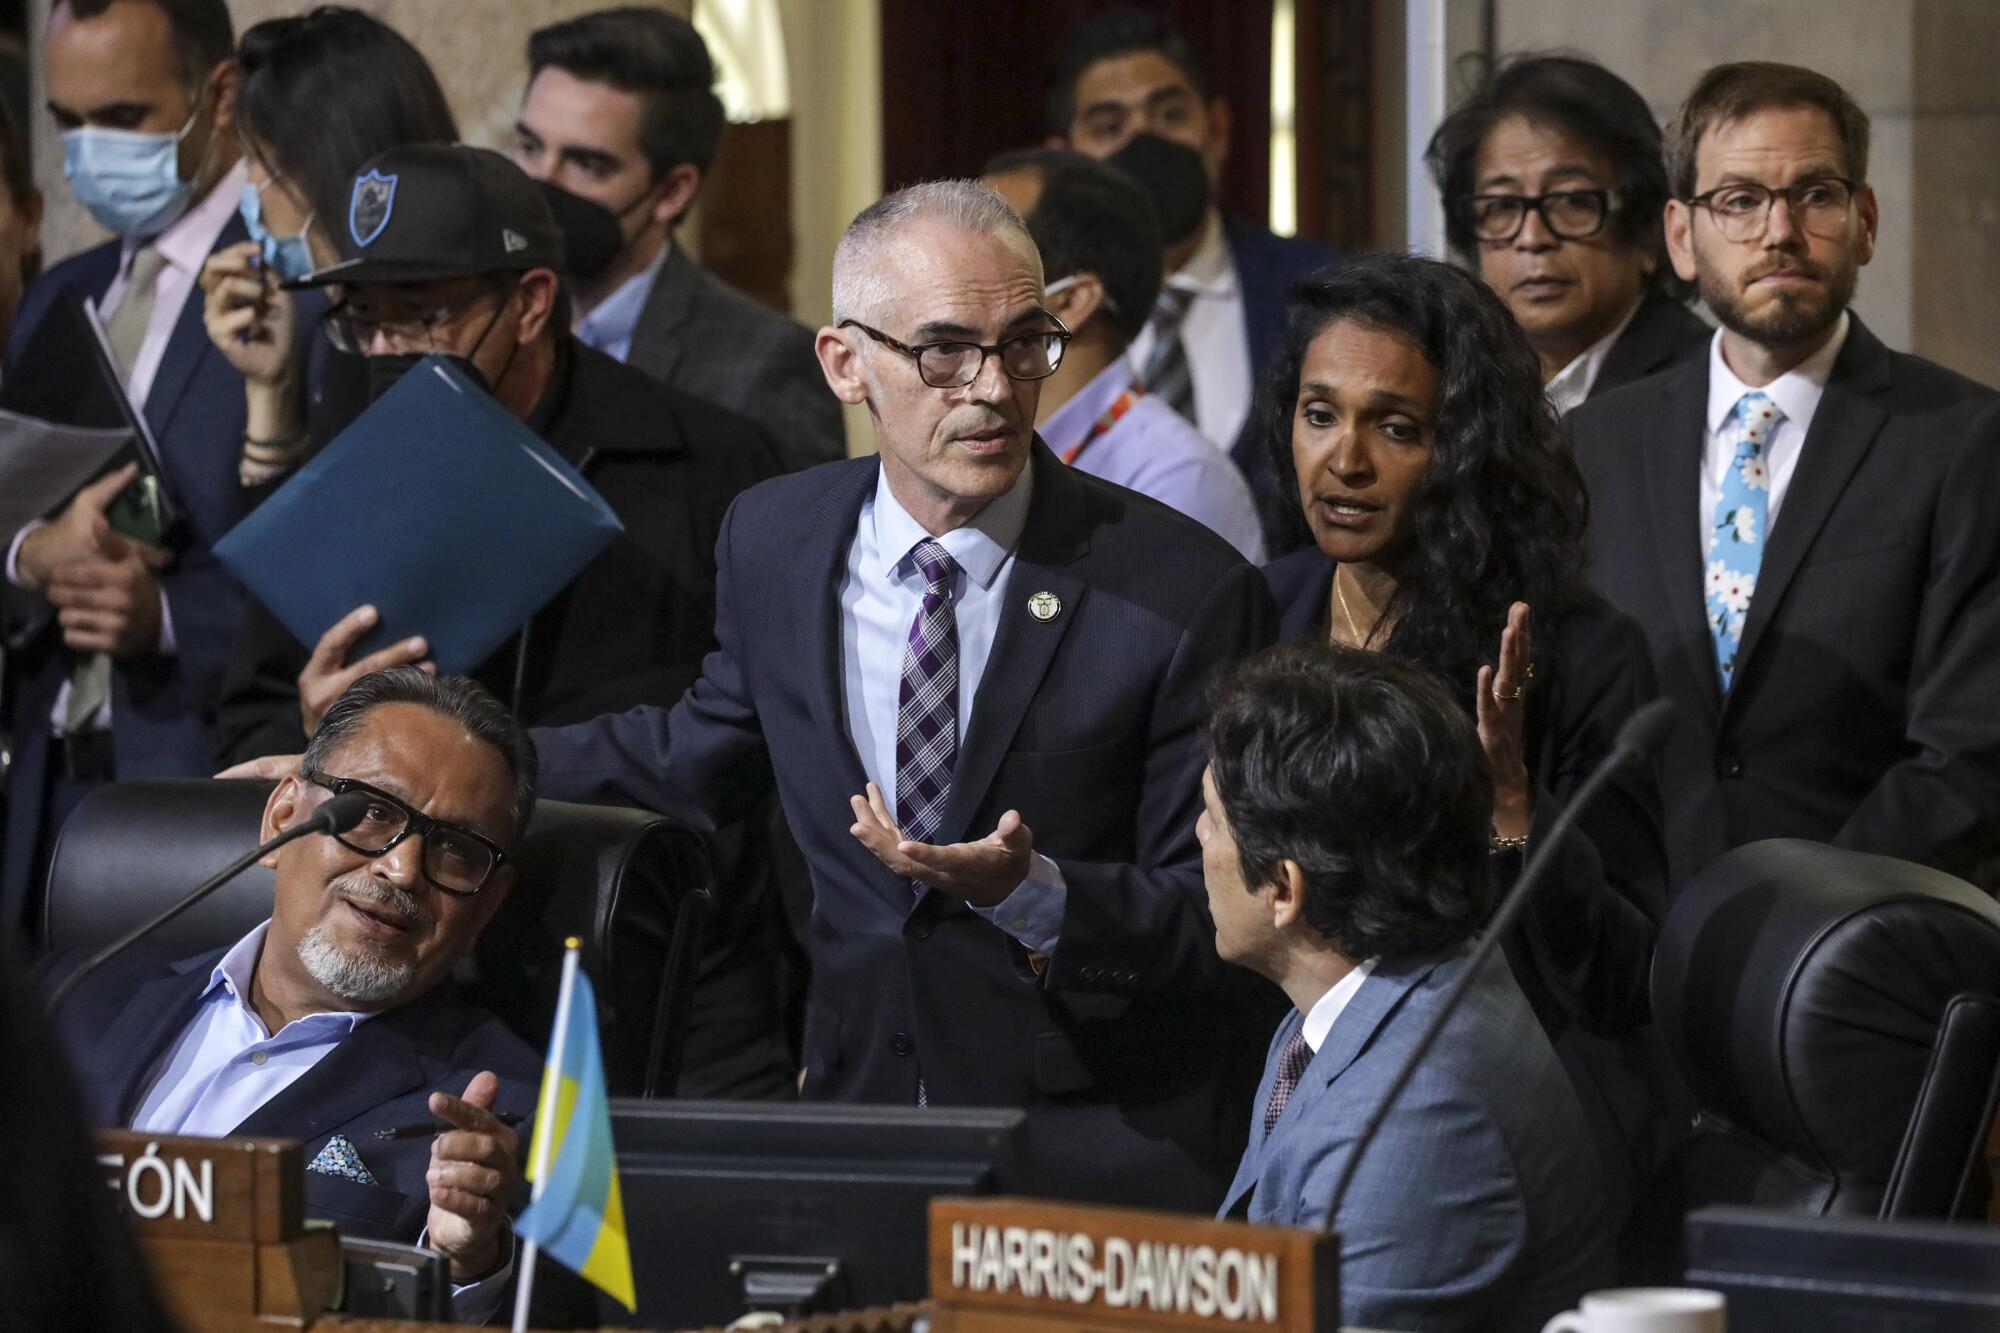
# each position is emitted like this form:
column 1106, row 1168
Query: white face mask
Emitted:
column 130, row 180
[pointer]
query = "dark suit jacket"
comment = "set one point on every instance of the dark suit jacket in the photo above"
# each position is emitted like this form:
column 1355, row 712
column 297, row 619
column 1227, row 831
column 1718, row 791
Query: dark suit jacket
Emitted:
column 1862, row 710
column 703, row 337
column 1089, row 724
column 162, row 708
column 1266, row 267
column 1470, row 1210
column 1663, row 333
column 121, row 1021
column 1583, row 950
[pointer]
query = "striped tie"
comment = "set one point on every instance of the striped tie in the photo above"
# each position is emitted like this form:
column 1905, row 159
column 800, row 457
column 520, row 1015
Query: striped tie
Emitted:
column 1166, row 374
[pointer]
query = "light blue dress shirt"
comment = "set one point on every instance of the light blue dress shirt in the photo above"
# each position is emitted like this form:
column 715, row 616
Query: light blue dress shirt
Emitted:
column 610, row 324
column 879, row 598
column 1154, row 451
column 226, row 1065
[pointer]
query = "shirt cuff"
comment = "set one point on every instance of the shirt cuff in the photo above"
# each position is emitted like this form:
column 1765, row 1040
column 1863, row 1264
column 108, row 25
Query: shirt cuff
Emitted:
column 1033, row 912
column 477, row 1302
column 14, row 553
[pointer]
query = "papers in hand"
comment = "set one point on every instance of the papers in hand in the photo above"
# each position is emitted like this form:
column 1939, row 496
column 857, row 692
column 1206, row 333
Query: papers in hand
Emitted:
column 42, row 464
column 452, row 518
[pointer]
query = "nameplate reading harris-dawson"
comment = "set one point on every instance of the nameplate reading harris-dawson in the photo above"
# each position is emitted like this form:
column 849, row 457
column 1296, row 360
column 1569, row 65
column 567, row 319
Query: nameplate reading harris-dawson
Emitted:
column 1057, row 1261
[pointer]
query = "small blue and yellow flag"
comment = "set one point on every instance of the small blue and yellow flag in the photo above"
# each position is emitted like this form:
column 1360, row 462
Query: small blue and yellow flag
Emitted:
column 577, row 1217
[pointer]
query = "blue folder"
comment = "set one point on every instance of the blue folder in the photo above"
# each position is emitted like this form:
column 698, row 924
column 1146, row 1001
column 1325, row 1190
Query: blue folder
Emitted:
column 455, row 520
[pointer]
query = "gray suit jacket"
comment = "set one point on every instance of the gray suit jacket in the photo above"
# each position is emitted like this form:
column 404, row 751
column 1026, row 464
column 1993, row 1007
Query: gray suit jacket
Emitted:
column 1478, row 1205
column 703, row 337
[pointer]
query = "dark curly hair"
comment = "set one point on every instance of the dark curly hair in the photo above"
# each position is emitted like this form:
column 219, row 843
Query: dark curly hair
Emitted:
column 1589, row 103
column 1363, row 770
column 1500, row 514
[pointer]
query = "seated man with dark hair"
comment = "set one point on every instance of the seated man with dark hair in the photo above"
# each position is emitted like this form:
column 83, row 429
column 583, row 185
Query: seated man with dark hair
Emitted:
column 1344, row 844
column 337, row 1018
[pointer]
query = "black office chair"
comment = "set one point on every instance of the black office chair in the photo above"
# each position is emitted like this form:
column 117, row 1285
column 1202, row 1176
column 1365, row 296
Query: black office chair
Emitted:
column 1837, row 1018
column 634, row 885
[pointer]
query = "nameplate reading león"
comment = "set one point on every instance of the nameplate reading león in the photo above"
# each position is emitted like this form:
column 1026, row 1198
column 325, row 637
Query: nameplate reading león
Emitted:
column 214, row 1189
column 1038, row 1264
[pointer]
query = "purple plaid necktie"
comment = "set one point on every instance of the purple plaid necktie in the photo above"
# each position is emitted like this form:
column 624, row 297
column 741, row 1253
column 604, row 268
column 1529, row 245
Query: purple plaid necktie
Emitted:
column 1291, row 1067
column 927, row 704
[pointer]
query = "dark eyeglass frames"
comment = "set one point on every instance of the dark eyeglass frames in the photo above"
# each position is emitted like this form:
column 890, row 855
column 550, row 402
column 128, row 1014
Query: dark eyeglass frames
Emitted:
column 953, row 365
column 1573, row 215
column 456, row 859
column 1742, row 210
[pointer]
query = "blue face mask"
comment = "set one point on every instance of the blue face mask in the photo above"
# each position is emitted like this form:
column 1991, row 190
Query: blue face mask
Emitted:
column 130, row 181
column 287, row 256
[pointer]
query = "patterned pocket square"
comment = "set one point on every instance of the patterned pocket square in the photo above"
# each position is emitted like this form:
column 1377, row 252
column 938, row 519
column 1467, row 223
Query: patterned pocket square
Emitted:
column 338, row 1158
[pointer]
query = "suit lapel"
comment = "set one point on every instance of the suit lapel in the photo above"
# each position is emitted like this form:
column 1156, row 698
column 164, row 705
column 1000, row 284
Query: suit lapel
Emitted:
column 833, row 517
column 1023, row 646
column 668, row 306
column 1849, row 417
column 1252, row 1164
column 1646, row 345
column 377, row 1063
column 157, row 1012
column 185, row 349
column 1672, row 458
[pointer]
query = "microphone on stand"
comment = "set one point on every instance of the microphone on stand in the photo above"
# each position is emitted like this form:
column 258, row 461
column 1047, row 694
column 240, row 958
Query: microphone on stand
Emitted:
column 337, row 815
column 1638, row 741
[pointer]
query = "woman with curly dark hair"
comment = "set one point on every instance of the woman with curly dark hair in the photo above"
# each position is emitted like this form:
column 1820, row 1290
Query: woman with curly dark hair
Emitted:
column 1406, row 418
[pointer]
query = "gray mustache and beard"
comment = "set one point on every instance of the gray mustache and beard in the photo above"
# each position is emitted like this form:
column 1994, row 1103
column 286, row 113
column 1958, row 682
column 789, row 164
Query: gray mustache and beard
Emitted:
column 363, row 976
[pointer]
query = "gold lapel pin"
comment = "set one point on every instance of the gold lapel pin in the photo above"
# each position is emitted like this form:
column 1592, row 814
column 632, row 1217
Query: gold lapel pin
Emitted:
column 1044, row 606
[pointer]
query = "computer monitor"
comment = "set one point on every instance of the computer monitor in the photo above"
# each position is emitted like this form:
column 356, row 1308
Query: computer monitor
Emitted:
column 733, row 1206
column 1844, row 1274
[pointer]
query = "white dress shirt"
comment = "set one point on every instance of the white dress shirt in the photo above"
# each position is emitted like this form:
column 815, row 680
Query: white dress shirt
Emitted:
column 1216, row 339
column 226, row 1065
column 1328, row 1007
column 879, row 597
column 1796, row 392
column 1572, row 384
column 185, row 246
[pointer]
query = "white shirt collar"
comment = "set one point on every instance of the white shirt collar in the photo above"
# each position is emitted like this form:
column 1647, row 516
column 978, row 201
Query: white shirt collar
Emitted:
column 1329, row 1006
column 615, row 317
column 188, row 242
column 1208, row 271
column 980, row 547
column 1568, row 387
column 234, row 970
column 1796, row 392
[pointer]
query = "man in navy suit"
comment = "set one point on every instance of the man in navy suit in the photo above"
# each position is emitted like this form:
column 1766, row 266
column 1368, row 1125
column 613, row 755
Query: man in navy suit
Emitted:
column 144, row 94
column 976, row 679
column 1344, row 844
column 1123, row 74
column 337, row 1019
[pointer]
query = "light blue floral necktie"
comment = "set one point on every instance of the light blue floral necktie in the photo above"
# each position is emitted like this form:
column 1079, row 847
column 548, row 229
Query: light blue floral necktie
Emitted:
column 1742, row 513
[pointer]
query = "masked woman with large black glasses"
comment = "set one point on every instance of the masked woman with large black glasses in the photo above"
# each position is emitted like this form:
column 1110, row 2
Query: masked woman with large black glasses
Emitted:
column 1406, row 420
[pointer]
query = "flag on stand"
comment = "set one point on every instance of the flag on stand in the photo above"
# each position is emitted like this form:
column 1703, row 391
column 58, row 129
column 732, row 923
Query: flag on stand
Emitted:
column 575, row 1215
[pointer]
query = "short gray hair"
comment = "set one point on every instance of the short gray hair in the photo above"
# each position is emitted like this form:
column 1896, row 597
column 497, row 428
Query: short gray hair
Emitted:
column 458, row 698
column 969, row 205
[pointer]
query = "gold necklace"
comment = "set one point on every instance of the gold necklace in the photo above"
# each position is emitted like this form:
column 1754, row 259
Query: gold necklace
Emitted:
column 1340, row 600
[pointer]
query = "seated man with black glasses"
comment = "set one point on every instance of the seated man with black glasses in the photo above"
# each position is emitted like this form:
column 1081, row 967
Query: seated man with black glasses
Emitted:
column 337, row 1019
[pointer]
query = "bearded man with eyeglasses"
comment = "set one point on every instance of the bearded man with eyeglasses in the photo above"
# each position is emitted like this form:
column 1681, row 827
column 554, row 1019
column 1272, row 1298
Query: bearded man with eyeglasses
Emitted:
column 976, row 680
column 337, row 1018
column 1802, row 519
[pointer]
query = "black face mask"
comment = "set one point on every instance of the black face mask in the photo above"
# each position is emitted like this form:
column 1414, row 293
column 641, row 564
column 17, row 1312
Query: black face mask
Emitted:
column 1173, row 177
column 591, row 234
column 385, row 370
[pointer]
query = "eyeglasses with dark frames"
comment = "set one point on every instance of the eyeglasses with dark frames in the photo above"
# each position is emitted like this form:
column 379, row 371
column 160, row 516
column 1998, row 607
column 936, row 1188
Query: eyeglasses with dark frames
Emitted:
column 1573, row 215
column 354, row 333
column 456, row 859
column 1742, row 209
column 953, row 365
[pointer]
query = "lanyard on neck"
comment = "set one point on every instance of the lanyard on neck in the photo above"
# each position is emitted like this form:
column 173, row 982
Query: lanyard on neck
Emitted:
column 1105, row 421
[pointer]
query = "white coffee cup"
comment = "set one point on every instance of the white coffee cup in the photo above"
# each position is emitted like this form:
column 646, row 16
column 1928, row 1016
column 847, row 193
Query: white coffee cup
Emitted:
column 1645, row 1310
